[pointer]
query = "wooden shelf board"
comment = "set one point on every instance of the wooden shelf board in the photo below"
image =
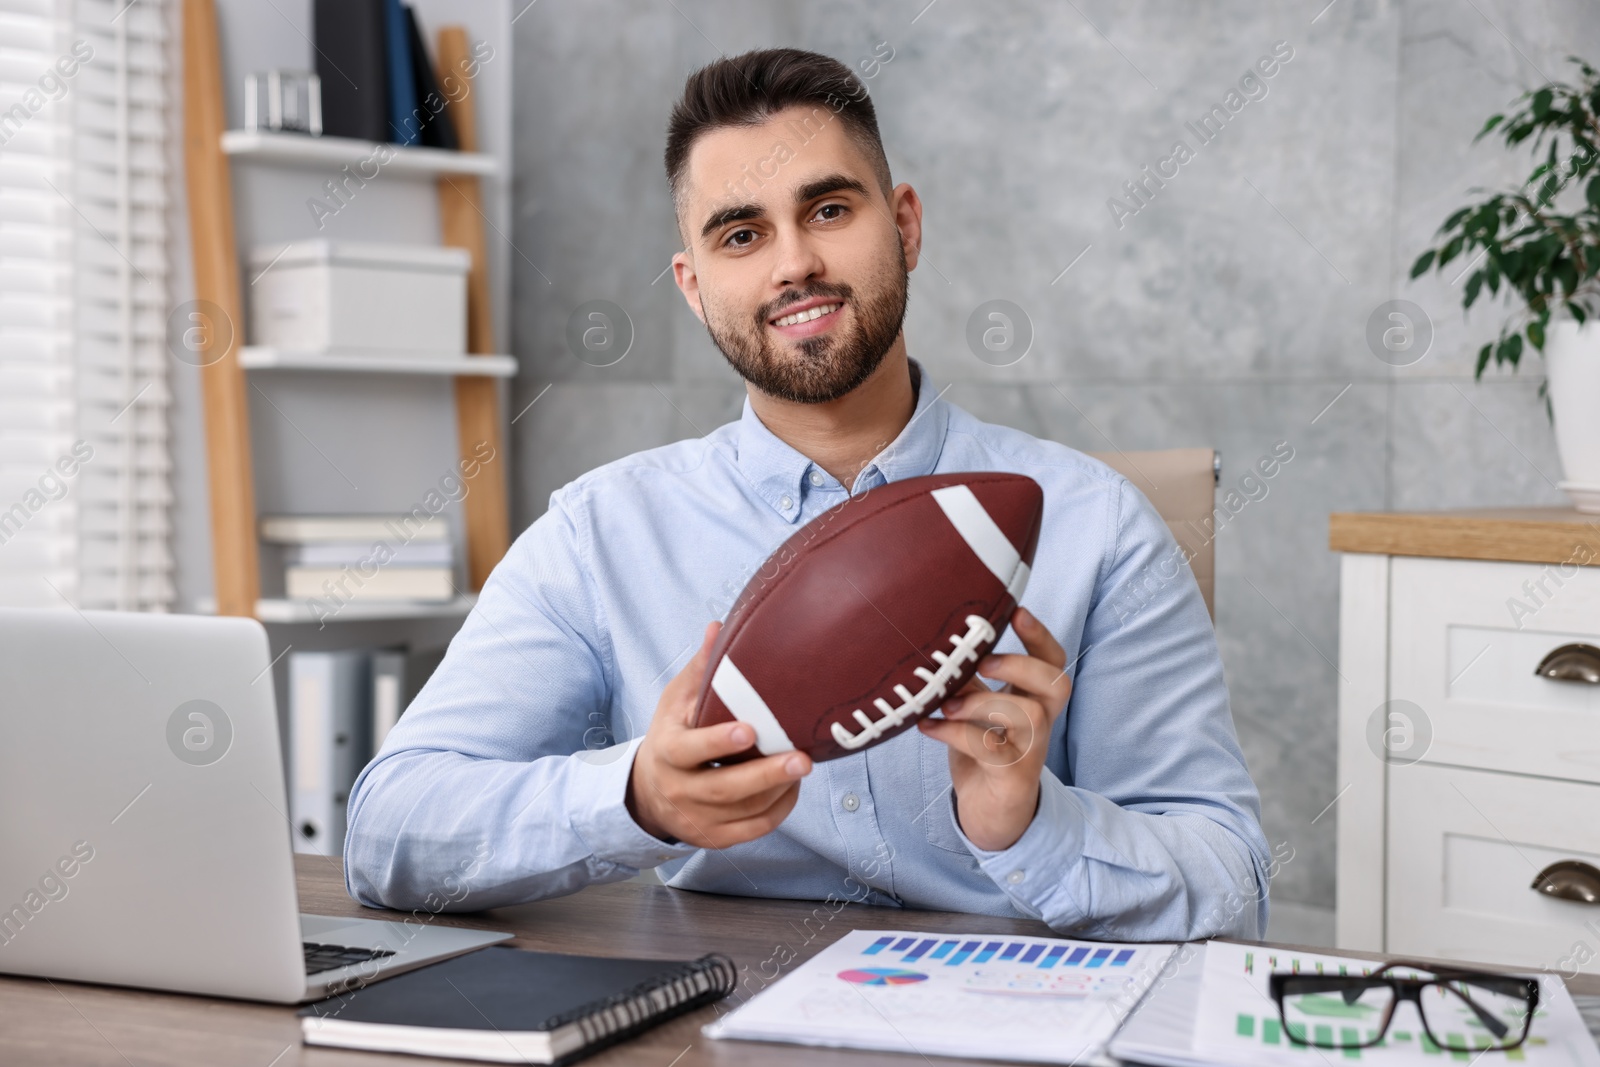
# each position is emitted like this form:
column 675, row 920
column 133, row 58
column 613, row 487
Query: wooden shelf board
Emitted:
column 303, row 150
column 253, row 357
column 1518, row 535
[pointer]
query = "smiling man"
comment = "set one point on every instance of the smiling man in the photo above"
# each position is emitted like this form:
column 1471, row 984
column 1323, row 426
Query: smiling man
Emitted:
column 1097, row 786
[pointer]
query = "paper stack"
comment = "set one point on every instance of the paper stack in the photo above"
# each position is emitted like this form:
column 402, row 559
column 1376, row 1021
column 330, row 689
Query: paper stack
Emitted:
column 1035, row 999
column 1216, row 1010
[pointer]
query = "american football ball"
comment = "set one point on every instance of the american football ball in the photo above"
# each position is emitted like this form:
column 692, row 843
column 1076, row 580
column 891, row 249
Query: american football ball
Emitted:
column 873, row 613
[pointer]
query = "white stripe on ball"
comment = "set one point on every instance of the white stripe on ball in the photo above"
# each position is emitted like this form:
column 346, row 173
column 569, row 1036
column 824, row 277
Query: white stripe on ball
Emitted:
column 984, row 536
column 741, row 698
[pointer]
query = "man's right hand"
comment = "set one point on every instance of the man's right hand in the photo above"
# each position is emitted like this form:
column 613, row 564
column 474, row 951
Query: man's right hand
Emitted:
column 673, row 794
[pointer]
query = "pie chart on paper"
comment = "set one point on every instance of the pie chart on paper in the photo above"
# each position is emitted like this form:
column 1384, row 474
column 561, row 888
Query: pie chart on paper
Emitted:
column 882, row 976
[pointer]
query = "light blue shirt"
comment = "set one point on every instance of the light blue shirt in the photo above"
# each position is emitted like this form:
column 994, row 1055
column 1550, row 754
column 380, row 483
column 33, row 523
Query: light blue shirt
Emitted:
column 505, row 779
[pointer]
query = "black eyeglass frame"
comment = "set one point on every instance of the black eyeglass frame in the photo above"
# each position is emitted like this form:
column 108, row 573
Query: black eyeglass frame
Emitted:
column 1283, row 983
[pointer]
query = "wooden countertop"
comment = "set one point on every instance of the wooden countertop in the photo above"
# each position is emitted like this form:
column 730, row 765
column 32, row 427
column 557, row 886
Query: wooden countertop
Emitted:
column 67, row 1022
column 1519, row 535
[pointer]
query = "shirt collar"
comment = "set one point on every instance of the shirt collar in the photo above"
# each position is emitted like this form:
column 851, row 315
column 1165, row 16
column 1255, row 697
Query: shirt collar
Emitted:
column 780, row 474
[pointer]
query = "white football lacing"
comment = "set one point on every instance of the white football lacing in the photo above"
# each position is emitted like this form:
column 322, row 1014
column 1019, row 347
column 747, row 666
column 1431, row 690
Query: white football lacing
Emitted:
column 935, row 684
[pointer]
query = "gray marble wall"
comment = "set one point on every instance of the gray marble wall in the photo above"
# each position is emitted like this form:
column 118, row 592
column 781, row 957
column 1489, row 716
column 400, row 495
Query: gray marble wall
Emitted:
column 1230, row 311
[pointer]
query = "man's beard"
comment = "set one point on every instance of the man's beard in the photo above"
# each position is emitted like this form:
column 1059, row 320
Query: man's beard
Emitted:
column 828, row 366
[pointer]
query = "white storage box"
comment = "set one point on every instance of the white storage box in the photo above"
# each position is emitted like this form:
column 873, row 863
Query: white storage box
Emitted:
column 359, row 299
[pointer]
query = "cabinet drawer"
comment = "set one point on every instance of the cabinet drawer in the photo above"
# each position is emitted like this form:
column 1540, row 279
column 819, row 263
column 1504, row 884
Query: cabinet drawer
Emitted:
column 1464, row 849
column 1465, row 637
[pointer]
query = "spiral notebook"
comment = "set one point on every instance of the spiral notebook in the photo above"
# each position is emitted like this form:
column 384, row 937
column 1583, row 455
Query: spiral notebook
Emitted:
column 507, row 1005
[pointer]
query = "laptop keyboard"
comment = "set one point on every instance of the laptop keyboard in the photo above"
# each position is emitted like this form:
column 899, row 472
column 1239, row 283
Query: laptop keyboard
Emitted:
column 329, row 957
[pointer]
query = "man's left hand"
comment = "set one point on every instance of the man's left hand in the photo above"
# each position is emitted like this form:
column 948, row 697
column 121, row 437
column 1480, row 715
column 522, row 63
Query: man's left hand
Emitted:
column 998, row 738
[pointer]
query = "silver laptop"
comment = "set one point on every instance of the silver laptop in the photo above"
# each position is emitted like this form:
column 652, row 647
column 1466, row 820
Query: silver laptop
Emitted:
column 144, row 830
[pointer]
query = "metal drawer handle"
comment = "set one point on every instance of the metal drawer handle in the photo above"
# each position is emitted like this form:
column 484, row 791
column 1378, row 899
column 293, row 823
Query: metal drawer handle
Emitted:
column 1570, row 880
column 1572, row 663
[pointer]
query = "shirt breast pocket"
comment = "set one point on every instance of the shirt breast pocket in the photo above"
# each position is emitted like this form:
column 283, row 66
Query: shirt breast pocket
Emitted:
column 936, row 821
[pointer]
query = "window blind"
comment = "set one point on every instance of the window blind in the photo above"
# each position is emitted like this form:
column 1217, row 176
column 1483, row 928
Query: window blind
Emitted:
column 85, row 464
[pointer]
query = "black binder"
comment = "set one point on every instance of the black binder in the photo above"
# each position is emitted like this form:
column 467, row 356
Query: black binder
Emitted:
column 432, row 115
column 512, row 1006
column 353, row 64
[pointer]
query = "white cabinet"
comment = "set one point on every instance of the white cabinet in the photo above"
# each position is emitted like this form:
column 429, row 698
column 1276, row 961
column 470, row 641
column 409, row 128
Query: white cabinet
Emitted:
column 1465, row 774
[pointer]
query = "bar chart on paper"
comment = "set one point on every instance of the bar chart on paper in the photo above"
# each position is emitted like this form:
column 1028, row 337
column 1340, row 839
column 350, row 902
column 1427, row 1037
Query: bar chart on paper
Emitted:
column 1460, row 1045
column 1237, row 1021
column 1324, row 1020
column 1042, row 999
column 1003, row 966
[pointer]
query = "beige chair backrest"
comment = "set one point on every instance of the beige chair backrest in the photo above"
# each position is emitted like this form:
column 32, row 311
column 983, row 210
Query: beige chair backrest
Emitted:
column 1182, row 484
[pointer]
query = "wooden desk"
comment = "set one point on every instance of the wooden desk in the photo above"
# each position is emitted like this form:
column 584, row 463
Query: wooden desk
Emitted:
column 66, row 1023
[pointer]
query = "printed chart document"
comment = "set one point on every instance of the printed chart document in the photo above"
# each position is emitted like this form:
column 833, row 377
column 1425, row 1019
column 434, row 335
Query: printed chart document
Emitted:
column 1038, row 999
column 1237, row 1022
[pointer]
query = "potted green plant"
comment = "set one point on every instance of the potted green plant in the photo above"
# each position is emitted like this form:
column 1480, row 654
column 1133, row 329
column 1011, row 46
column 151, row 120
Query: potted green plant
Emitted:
column 1547, row 260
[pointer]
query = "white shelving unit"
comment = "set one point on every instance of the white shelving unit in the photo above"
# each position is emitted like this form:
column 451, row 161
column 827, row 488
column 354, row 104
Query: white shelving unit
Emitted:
column 303, row 150
column 253, row 357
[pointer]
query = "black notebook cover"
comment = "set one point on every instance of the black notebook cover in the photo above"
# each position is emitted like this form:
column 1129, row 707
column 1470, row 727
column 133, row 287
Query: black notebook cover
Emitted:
column 512, row 990
column 352, row 63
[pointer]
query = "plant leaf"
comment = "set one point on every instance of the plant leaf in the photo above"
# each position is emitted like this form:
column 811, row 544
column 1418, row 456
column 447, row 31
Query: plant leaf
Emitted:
column 1483, row 359
column 1550, row 248
column 1494, row 120
column 1510, row 350
column 1474, row 285
column 1536, row 334
column 1423, row 262
column 1566, row 272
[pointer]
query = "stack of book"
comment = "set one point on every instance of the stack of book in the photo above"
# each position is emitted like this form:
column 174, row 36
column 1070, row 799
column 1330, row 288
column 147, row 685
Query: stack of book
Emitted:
column 338, row 558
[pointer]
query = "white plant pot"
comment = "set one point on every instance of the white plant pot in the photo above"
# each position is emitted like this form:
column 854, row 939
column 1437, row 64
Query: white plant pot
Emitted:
column 1572, row 362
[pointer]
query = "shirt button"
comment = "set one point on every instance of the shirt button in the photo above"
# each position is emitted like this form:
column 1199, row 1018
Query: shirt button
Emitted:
column 1015, row 877
column 663, row 858
column 816, row 477
column 851, row 802
column 786, row 503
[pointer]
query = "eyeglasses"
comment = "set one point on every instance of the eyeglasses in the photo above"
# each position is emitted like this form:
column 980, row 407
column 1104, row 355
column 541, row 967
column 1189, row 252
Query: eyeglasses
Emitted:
column 1460, row 1010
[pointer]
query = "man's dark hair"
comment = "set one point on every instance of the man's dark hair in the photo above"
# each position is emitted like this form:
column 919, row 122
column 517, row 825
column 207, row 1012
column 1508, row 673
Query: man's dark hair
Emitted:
column 748, row 89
